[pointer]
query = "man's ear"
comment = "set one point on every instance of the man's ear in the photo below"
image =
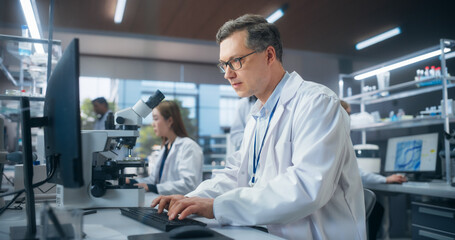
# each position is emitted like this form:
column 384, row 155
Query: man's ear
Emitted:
column 270, row 54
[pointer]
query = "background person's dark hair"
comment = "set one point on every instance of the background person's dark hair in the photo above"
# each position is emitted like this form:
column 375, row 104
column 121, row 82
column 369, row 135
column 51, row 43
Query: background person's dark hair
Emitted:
column 261, row 34
column 101, row 100
column 169, row 109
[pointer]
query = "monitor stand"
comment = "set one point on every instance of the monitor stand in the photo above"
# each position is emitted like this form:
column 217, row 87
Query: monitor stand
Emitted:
column 30, row 231
column 2, row 190
column 419, row 177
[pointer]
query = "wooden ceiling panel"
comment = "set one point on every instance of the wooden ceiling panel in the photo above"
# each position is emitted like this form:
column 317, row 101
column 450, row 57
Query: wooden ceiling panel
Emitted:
column 330, row 26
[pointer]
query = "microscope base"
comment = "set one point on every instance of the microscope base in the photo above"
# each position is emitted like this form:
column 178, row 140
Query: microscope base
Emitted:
column 81, row 198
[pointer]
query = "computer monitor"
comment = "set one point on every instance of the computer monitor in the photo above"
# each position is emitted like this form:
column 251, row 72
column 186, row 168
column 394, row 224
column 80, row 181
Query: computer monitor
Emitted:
column 62, row 134
column 412, row 154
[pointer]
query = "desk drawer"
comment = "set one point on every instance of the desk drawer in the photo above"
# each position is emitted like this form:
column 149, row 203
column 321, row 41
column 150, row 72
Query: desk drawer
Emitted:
column 424, row 233
column 432, row 216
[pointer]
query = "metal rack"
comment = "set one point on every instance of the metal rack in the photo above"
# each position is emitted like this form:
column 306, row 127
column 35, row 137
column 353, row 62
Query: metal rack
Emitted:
column 34, row 74
column 404, row 90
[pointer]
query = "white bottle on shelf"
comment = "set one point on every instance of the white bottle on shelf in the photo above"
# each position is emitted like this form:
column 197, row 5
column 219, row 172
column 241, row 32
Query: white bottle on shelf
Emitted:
column 25, row 48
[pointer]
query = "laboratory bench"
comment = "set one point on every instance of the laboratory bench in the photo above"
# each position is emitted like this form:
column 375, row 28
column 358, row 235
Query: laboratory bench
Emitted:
column 110, row 224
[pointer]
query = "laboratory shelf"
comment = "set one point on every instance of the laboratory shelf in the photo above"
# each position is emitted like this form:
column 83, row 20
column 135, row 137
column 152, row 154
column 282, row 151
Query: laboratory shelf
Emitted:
column 17, row 98
column 408, row 89
column 416, row 122
column 372, row 96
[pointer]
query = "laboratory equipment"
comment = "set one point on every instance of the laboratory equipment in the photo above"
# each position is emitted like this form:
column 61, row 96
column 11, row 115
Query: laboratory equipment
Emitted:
column 103, row 166
column 368, row 157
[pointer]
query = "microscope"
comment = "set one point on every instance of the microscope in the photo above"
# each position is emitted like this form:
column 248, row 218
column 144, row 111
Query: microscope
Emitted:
column 104, row 161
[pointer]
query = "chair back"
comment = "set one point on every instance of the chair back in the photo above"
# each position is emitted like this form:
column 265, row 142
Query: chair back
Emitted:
column 370, row 200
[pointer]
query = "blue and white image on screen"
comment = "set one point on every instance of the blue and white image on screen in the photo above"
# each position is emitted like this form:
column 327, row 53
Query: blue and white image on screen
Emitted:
column 408, row 155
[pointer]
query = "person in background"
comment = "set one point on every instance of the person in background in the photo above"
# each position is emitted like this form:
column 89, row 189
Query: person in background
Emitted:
column 242, row 115
column 101, row 108
column 346, row 106
column 179, row 170
column 369, row 177
column 296, row 169
column 377, row 214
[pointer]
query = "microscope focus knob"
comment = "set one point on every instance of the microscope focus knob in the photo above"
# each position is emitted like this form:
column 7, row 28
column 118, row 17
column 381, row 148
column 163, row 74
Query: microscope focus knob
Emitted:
column 97, row 190
column 120, row 120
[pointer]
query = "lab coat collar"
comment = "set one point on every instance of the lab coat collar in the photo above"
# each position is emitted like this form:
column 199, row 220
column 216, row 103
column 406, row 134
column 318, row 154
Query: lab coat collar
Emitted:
column 178, row 140
column 291, row 87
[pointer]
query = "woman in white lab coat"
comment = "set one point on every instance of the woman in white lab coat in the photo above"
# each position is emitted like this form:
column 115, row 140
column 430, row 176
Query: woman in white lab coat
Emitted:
column 179, row 169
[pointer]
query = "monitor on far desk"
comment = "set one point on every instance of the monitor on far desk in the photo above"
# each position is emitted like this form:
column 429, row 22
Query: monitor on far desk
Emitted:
column 414, row 155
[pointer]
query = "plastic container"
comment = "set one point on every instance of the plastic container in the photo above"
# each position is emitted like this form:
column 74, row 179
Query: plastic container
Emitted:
column 25, row 48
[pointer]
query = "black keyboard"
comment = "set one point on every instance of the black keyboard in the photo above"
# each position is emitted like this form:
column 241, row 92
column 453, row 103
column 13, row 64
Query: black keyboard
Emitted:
column 151, row 217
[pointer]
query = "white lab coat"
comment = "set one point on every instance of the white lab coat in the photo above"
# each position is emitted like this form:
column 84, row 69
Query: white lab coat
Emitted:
column 369, row 177
column 308, row 180
column 182, row 171
column 100, row 123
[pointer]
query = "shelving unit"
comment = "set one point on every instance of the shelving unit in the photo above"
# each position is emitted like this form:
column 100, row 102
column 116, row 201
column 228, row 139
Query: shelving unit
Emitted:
column 24, row 71
column 28, row 77
column 404, row 90
column 215, row 149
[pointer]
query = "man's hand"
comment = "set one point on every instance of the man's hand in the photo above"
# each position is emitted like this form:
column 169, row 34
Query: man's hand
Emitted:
column 194, row 205
column 143, row 185
column 165, row 202
column 395, row 178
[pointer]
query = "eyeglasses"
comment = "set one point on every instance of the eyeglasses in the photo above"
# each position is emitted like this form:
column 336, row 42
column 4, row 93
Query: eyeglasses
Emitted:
column 234, row 64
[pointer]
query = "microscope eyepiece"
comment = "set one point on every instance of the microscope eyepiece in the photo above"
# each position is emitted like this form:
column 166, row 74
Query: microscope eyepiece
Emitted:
column 155, row 99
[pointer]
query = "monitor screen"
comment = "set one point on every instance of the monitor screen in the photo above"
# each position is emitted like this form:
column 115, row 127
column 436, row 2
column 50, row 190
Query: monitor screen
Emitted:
column 416, row 153
column 62, row 134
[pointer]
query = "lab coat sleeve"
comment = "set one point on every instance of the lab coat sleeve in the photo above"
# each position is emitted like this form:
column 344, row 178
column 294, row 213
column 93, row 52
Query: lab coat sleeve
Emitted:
column 369, row 177
column 222, row 180
column 151, row 179
column 319, row 150
column 189, row 169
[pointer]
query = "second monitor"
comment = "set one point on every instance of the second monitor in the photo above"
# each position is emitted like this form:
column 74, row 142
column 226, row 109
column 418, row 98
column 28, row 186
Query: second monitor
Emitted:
column 412, row 154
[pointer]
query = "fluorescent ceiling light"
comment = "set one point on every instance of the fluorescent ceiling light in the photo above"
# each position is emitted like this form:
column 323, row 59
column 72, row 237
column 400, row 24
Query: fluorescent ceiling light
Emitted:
column 31, row 23
column 379, row 38
column 119, row 10
column 450, row 55
column 275, row 15
column 400, row 64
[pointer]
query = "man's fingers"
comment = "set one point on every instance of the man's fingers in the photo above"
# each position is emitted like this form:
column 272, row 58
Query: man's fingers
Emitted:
column 156, row 201
column 188, row 211
column 172, row 202
column 163, row 204
column 177, row 208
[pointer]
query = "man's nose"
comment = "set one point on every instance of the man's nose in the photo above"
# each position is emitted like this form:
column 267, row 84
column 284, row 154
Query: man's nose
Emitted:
column 229, row 73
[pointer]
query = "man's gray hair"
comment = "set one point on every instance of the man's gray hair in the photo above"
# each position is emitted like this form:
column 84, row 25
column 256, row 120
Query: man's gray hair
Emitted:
column 261, row 34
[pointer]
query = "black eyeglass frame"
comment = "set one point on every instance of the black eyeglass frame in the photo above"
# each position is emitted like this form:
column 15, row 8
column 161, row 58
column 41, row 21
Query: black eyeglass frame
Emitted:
column 223, row 65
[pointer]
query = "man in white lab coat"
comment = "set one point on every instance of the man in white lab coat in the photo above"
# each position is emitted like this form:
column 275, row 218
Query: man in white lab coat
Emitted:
column 296, row 170
column 101, row 108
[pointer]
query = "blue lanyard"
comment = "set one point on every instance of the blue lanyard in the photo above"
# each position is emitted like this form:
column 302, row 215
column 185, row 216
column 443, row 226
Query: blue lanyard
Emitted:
column 163, row 160
column 256, row 160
